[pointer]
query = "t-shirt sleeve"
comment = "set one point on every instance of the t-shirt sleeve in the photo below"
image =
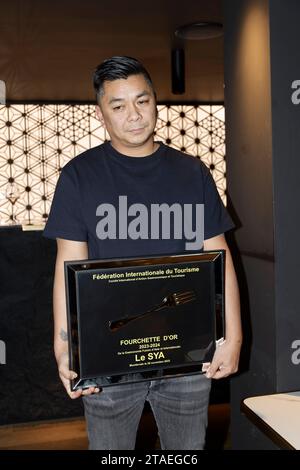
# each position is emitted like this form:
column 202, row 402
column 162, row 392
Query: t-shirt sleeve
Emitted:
column 65, row 218
column 216, row 217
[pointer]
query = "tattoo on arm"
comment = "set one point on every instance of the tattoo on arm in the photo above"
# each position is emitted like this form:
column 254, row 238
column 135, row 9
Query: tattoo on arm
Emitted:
column 63, row 335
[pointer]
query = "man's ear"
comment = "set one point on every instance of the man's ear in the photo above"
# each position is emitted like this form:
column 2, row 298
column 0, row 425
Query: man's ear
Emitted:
column 99, row 114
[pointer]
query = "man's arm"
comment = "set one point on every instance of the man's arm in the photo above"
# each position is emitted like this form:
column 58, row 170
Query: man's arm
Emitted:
column 66, row 250
column 226, row 357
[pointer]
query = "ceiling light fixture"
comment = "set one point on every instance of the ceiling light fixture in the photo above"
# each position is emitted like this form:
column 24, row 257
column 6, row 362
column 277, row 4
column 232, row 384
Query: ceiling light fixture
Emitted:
column 200, row 30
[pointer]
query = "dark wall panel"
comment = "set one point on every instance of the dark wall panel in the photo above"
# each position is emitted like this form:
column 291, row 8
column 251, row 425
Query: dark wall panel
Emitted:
column 285, row 69
column 262, row 125
column 30, row 388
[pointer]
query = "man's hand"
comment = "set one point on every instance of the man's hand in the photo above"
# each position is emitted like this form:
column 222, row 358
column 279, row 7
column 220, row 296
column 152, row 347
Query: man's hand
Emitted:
column 66, row 375
column 225, row 361
column 66, row 250
column 226, row 357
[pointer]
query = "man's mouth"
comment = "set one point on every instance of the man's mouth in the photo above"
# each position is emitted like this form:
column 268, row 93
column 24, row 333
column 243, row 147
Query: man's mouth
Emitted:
column 139, row 129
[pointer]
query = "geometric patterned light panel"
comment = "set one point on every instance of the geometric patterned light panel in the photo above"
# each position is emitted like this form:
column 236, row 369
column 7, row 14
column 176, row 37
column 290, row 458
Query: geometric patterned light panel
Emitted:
column 36, row 141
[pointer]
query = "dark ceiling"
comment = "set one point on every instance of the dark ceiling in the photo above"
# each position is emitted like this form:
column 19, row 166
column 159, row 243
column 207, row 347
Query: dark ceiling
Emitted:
column 48, row 49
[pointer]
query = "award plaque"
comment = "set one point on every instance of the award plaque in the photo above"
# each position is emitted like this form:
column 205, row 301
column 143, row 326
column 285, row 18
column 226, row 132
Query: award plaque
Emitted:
column 144, row 318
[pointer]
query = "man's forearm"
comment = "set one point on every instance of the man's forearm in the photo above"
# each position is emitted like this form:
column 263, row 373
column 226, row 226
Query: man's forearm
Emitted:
column 233, row 329
column 59, row 310
column 66, row 250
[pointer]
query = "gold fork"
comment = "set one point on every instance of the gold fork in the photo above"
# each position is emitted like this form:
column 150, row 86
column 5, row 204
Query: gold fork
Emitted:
column 171, row 300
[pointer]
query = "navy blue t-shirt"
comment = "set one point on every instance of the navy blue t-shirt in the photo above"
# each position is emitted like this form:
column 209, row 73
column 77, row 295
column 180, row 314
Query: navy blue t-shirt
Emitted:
column 108, row 199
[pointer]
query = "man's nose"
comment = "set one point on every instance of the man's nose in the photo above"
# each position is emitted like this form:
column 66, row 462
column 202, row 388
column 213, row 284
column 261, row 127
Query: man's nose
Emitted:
column 133, row 113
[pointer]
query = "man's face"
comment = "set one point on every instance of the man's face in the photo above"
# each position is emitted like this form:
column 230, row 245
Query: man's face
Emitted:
column 128, row 112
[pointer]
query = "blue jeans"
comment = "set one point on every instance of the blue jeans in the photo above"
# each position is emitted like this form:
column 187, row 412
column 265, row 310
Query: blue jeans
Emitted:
column 179, row 406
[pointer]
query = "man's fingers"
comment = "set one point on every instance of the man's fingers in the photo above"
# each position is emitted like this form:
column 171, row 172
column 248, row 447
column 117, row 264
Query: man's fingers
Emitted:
column 75, row 394
column 221, row 373
column 212, row 370
column 66, row 375
column 218, row 372
column 91, row 390
column 205, row 366
column 88, row 391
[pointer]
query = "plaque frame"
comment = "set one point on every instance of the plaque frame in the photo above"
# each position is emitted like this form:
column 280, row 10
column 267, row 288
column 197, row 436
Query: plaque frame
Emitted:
column 84, row 330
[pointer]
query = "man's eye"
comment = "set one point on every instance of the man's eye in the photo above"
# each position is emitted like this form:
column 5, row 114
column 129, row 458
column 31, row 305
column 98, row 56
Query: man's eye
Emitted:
column 143, row 101
column 117, row 108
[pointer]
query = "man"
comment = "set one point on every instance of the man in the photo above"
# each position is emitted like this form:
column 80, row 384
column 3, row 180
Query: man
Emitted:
column 132, row 164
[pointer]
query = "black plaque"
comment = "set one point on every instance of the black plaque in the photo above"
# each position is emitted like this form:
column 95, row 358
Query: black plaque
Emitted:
column 143, row 318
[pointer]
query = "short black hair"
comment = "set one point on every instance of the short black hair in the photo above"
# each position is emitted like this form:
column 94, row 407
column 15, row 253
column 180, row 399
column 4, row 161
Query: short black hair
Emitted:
column 117, row 67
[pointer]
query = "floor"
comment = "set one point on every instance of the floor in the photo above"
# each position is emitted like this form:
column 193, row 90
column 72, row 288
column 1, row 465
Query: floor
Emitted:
column 71, row 435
